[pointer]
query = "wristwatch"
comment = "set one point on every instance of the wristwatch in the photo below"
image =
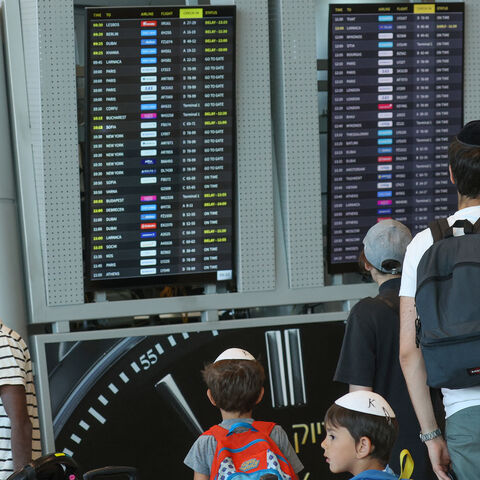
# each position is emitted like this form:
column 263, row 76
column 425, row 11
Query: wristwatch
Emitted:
column 425, row 437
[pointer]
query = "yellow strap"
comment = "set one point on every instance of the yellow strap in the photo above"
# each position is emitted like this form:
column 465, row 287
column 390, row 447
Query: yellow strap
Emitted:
column 406, row 464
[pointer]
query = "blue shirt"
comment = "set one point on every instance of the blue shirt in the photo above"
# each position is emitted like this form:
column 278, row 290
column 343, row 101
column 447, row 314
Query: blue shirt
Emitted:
column 386, row 474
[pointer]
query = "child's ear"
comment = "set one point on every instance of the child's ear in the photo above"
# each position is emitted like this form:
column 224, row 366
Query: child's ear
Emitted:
column 364, row 447
column 210, row 397
column 259, row 399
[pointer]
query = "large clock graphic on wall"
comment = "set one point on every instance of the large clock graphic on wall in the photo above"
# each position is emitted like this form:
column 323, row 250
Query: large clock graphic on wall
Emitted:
column 141, row 401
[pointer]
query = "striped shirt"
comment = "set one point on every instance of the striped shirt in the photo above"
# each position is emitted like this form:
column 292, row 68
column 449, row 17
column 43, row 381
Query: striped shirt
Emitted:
column 16, row 369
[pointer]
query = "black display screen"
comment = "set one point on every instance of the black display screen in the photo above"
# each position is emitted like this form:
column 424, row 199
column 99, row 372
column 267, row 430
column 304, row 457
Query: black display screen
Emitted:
column 395, row 103
column 160, row 144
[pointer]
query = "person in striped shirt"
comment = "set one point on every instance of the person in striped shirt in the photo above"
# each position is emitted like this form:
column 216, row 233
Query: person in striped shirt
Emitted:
column 19, row 429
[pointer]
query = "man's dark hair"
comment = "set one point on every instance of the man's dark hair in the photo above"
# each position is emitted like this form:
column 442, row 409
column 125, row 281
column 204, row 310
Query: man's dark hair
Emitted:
column 465, row 163
column 386, row 264
column 235, row 384
column 382, row 431
column 362, row 262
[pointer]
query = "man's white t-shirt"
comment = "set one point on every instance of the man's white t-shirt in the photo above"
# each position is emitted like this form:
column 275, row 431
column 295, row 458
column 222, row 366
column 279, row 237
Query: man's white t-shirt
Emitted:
column 458, row 399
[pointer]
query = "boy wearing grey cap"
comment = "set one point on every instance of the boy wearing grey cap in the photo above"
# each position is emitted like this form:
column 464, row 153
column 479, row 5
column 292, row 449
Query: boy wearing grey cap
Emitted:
column 235, row 386
column 369, row 356
column 462, row 405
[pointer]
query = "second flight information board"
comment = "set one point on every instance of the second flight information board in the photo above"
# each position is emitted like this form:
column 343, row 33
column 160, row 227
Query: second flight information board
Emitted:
column 395, row 101
column 160, row 145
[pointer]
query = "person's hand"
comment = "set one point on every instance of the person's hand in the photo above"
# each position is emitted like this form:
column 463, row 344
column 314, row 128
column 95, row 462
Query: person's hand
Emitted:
column 439, row 457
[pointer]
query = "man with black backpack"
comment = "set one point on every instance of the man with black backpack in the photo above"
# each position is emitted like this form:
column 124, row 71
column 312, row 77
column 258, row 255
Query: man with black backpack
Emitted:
column 440, row 319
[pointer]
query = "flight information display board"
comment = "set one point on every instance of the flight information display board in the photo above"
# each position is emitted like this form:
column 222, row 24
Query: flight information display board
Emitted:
column 160, row 144
column 395, row 103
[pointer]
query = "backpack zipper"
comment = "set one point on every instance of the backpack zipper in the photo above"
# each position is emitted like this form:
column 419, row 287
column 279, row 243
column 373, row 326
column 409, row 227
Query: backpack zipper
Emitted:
column 418, row 331
column 450, row 340
column 444, row 277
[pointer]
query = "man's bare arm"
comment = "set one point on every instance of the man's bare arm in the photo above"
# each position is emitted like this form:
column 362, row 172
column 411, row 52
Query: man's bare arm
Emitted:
column 15, row 403
column 413, row 367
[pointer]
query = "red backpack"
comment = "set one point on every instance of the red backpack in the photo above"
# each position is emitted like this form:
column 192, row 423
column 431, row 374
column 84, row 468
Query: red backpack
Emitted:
column 248, row 454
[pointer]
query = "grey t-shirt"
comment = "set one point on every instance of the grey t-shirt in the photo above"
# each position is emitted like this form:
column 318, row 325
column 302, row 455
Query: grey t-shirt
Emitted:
column 200, row 456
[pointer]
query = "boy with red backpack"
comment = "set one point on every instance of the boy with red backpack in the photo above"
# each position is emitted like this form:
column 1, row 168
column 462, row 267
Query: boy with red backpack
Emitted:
column 239, row 445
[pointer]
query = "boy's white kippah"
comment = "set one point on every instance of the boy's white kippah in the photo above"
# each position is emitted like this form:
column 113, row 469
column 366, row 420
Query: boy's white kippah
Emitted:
column 366, row 402
column 234, row 354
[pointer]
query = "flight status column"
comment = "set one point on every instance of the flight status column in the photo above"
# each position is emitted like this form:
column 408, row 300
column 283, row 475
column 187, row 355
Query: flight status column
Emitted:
column 160, row 147
column 395, row 96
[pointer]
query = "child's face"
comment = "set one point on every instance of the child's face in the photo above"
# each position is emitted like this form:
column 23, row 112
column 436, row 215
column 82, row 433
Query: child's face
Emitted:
column 340, row 450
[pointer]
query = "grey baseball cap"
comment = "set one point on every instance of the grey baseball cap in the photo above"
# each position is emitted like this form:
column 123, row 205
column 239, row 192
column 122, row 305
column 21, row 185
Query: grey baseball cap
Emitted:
column 385, row 244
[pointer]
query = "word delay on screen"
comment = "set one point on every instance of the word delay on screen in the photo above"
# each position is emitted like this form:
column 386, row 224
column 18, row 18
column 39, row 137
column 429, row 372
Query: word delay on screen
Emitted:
column 160, row 144
column 395, row 101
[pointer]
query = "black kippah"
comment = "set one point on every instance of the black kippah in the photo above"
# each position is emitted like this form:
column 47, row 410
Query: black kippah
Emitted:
column 469, row 135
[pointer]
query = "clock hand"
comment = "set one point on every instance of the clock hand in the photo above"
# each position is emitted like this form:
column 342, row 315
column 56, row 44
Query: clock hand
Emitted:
column 173, row 396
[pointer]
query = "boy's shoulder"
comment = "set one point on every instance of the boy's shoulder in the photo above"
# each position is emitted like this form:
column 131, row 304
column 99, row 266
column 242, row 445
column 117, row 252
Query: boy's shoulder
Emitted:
column 226, row 425
column 231, row 421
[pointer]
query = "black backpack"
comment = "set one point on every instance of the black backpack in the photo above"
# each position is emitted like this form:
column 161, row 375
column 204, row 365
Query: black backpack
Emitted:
column 448, row 306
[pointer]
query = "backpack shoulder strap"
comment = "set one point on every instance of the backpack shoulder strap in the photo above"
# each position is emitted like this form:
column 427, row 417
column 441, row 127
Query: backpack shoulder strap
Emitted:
column 476, row 226
column 219, row 433
column 465, row 224
column 216, row 431
column 439, row 229
column 264, row 427
column 394, row 304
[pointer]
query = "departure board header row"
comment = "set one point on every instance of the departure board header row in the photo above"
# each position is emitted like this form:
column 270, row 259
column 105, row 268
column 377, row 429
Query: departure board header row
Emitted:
column 416, row 8
column 179, row 13
column 395, row 103
column 160, row 145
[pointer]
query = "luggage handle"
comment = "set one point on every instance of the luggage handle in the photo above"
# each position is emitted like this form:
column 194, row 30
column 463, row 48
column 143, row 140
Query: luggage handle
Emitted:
column 53, row 465
column 465, row 224
column 115, row 470
column 406, row 464
column 241, row 424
